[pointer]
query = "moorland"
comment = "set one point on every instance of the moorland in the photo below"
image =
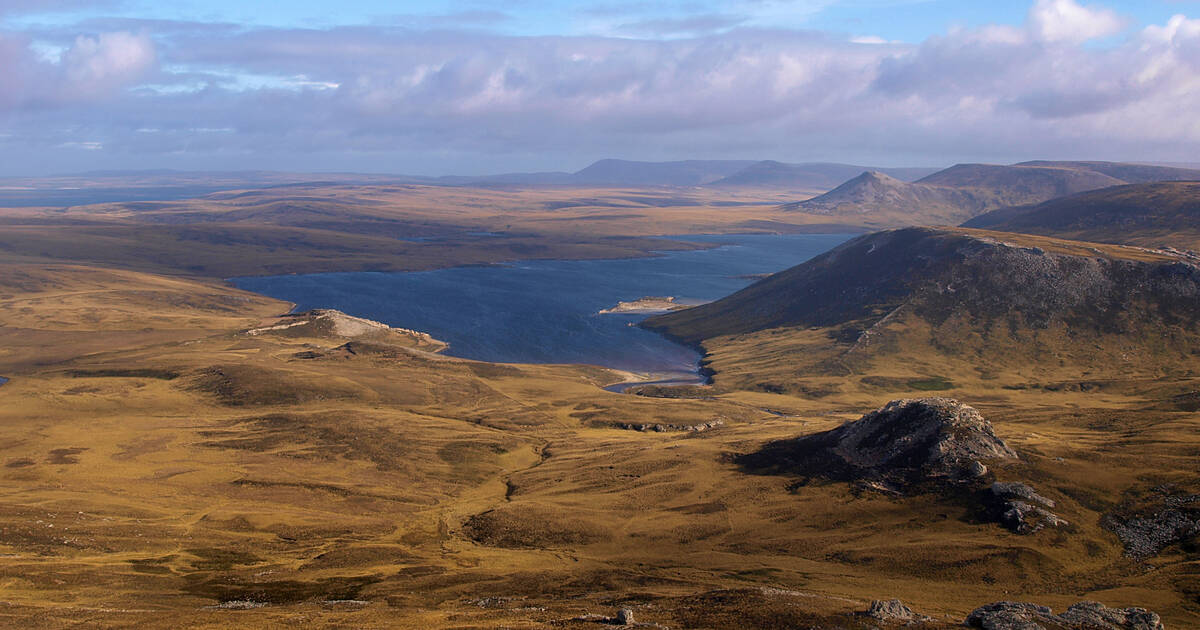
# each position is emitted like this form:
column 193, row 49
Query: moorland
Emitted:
column 177, row 452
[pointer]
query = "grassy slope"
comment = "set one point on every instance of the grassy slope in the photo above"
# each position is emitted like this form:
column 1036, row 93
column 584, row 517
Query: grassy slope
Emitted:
column 159, row 462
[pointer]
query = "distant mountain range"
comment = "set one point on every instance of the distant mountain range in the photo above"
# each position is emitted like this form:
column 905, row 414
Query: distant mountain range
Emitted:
column 813, row 176
column 967, row 190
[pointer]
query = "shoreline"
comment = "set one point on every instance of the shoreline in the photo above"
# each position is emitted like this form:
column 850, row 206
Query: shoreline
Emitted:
column 697, row 376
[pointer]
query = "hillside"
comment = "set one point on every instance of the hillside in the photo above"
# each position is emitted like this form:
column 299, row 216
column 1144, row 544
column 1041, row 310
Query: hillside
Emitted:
column 963, row 191
column 1021, row 182
column 1139, row 214
column 977, row 298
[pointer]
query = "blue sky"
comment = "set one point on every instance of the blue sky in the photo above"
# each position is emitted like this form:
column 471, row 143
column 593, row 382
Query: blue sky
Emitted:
column 903, row 20
column 470, row 87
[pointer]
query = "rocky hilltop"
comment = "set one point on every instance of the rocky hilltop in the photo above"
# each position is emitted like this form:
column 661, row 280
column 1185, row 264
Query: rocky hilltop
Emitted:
column 925, row 445
column 905, row 442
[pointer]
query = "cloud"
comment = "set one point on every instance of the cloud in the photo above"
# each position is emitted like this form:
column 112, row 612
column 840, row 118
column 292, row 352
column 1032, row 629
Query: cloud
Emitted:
column 404, row 99
column 1070, row 22
column 106, row 62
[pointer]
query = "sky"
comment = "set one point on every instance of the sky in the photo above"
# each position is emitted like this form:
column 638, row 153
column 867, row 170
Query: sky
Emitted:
column 489, row 86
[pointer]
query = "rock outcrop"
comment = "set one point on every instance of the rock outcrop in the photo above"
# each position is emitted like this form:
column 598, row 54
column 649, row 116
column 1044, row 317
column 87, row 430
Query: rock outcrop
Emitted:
column 892, row 610
column 908, row 441
column 1080, row 616
column 1020, row 508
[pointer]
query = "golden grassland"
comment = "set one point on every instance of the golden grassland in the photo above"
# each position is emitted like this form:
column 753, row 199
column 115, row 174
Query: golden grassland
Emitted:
column 163, row 468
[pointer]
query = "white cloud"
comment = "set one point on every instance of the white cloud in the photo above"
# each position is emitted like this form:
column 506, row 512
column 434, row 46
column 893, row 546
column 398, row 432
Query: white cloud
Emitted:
column 100, row 64
column 1069, row 22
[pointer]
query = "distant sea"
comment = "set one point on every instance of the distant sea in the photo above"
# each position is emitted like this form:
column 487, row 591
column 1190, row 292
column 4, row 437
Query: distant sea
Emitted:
column 546, row 311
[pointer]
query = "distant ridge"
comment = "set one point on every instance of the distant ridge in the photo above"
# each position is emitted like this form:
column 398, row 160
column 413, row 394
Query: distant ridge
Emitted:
column 809, row 176
column 963, row 191
column 683, row 173
column 1140, row 214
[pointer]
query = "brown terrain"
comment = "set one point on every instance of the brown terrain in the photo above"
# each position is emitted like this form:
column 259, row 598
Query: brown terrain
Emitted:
column 180, row 453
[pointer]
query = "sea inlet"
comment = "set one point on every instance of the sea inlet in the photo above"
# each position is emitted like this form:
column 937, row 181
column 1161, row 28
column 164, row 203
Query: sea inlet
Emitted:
column 548, row 311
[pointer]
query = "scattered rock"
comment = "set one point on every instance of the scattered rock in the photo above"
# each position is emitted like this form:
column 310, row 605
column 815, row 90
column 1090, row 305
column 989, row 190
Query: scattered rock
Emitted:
column 237, row 604
column 1148, row 529
column 906, row 442
column 1080, row 616
column 625, row 617
column 889, row 610
column 664, row 428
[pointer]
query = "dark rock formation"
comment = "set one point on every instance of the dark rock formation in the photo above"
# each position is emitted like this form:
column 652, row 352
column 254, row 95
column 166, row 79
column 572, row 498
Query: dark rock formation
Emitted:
column 906, row 442
column 1020, row 508
column 625, row 617
column 1080, row 616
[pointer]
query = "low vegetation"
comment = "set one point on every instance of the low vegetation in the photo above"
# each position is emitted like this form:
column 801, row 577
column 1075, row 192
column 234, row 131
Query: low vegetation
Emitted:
column 180, row 453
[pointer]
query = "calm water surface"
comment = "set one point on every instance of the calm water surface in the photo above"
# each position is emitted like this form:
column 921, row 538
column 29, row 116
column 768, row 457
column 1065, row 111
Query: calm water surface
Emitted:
column 546, row 311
